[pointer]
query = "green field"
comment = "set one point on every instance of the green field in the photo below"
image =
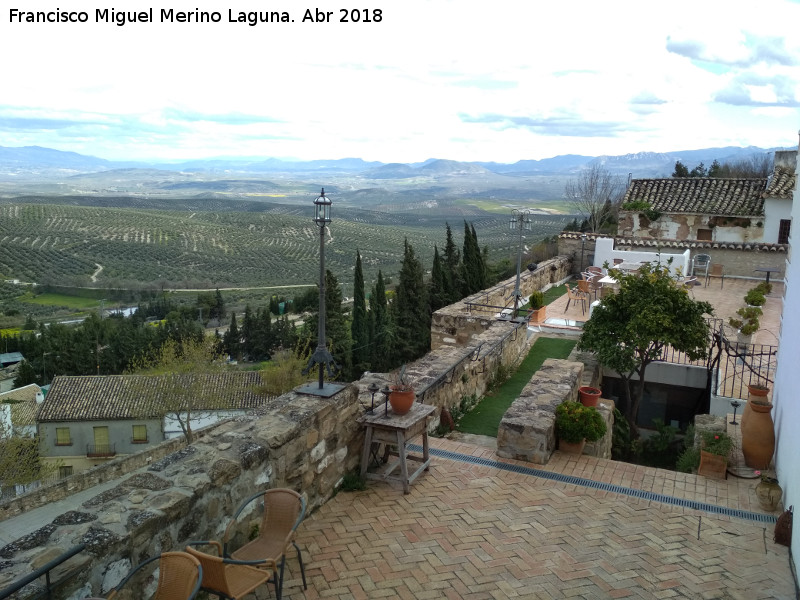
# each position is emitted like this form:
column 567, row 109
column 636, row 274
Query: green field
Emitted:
column 72, row 302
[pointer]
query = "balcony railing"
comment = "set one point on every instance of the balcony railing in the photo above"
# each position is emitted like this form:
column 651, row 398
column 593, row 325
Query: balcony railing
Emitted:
column 100, row 450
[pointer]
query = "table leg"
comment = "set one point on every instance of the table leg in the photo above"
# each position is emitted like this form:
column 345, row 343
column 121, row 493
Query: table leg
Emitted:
column 768, row 277
column 425, row 452
column 401, row 453
column 365, row 453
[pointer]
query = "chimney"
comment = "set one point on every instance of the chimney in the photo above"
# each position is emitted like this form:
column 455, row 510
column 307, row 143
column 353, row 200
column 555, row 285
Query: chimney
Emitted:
column 39, row 397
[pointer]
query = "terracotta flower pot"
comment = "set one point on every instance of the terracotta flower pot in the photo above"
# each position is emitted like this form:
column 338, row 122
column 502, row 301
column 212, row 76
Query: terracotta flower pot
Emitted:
column 589, row 396
column 713, row 465
column 401, row 400
column 571, row 448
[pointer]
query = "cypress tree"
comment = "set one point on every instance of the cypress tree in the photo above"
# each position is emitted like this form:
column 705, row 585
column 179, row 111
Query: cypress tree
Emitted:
column 359, row 327
column 336, row 329
column 452, row 279
column 232, row 339
column 438, row 292
column 412, row 317
column 381, row 340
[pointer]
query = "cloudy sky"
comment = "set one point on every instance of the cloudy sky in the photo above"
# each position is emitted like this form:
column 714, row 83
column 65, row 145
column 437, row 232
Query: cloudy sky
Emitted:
column 462, row 79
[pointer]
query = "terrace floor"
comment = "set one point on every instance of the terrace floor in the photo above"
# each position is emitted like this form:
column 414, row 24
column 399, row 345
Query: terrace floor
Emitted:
column 476, row 526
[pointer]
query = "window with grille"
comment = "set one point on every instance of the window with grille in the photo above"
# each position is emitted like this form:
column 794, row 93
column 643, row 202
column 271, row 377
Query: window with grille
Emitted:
column 64, row 472
column 783, row 231
column 139, row 434
column 62, row 436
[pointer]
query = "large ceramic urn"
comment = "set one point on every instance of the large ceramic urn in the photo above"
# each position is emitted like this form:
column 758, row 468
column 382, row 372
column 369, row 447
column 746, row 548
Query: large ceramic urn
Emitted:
column 758, row 435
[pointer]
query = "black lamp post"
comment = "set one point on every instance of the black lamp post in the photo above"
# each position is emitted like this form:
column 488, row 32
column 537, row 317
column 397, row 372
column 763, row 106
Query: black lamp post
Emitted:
column 321, row 356
column 583, row 244
column 520, row 219
column 373, row 389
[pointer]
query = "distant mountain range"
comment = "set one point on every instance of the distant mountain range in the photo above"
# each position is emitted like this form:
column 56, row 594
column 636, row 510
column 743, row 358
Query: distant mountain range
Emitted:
column 43, row 162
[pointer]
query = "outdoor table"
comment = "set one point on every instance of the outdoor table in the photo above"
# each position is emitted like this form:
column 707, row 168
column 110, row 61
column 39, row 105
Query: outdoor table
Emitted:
column 607, row 280
column 628, row 266
column 767, row 270
column 397, row 430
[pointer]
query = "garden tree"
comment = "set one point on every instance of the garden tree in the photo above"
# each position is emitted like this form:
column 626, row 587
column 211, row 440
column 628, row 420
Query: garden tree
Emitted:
column 451, row 258
column 261, row 339
column 412, row 319
column 284, row 334
column 284, row 372
column 232, row 340
column 248, row 333
column 437, row 292
column 380, row 342
column 631, row 328
column 595, row 195
column 174, row 382
column 699, row 171
column 359, row 328
column 715, row 170
column 757, row 166
column 681, row 170
column 308, row 301
column 20, row 463
column 26, row 375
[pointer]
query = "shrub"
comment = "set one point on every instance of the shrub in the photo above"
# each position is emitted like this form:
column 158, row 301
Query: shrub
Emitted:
column 536, row 301
column 755, row 297
column 576, row 422
column 717, row 442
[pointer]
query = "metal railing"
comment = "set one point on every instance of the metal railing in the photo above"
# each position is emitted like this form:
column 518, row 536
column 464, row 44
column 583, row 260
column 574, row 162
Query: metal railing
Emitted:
column 43, row 571
column 100, row 450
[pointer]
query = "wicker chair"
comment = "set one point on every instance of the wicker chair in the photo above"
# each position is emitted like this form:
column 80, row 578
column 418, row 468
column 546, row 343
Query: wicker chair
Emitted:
column 284, row 510
column 577, row 296
column 179, row 576
column 227, row 577
column 716, row 270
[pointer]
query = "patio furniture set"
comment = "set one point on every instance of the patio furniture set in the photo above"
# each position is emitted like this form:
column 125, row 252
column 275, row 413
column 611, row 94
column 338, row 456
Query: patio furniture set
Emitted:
column 230, row 573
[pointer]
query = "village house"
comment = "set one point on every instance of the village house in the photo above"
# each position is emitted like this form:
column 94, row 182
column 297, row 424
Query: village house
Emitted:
column 86, row 420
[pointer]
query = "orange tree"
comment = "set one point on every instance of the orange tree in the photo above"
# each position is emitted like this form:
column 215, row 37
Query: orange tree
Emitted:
column 631, row 328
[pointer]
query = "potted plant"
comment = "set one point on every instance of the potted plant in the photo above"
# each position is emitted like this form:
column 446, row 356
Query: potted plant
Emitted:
column 537, row 307
column 715, row 448
column 577, row 424
column 402, row 396
column 589, row 396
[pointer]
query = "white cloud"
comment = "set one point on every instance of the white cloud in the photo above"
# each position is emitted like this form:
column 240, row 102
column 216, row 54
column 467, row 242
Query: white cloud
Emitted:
column 448, row 78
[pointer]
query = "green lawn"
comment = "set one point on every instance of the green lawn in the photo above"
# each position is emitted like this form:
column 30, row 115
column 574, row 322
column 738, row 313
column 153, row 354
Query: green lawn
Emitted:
column 484, row 419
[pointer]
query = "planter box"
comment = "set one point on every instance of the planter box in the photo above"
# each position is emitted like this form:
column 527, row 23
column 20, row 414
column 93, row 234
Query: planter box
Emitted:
column 713, row 465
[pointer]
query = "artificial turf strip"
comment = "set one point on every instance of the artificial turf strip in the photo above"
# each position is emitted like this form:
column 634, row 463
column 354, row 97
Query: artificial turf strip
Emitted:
column 485, row 418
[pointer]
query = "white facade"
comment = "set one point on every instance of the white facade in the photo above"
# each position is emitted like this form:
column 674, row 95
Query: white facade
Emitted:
column 604, row 253
column 785, row 395
column 775, row 210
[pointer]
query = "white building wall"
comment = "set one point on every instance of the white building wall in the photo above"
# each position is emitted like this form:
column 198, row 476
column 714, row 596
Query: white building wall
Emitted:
column 785, row 395
column 199, row 420
column 604, row 253
column 775, row 210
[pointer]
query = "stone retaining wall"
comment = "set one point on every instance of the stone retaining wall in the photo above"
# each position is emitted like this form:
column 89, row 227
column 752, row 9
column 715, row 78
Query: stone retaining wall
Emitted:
column 527, row 430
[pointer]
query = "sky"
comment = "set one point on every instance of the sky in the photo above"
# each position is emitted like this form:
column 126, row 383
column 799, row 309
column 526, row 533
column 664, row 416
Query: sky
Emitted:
column 410, row 80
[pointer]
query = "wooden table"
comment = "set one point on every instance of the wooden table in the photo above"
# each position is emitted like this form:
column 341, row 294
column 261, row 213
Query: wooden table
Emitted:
column 397, row 430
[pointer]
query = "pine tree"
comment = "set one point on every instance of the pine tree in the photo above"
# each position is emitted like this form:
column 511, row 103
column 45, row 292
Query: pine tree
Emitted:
column 359, row 327
column 411, row 315
column 248, row 333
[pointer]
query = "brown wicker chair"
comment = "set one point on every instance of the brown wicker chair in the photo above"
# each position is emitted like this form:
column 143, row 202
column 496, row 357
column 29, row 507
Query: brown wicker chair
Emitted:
column 226, row 577
column 284, row 510
column 179, row 576
column 576, row 295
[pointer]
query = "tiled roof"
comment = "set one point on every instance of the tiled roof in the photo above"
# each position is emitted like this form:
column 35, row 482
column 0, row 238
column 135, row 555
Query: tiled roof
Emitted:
column 110, row 397
column 702, row 195
column 781, row 184
column 23, row 407
column 621, row 241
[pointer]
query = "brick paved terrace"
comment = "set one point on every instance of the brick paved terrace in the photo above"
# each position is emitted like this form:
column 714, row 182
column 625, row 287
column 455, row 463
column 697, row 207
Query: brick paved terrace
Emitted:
column 472, row 531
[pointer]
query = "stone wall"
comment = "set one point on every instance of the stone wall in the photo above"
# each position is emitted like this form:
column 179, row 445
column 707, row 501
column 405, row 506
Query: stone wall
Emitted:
column 527, row 430
column 458, row 324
